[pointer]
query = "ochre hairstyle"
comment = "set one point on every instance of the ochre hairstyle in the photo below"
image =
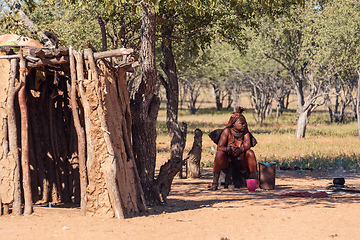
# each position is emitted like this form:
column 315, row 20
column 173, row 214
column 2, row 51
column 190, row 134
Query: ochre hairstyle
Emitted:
column 235, row 116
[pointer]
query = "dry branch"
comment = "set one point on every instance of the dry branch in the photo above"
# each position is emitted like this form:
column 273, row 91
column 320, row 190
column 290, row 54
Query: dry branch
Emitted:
column 30, row 25
column 49, row 61
column 111, row 53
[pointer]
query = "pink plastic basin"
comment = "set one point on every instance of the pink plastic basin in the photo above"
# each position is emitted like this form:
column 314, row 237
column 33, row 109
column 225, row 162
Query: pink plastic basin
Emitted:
column 251, row 184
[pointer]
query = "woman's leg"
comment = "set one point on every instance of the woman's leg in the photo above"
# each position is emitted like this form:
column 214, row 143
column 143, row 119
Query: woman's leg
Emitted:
column 252, row 164
column 251, row 160
column 221, row 161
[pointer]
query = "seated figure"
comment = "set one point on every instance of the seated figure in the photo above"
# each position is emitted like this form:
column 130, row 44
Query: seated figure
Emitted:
column 233, row 150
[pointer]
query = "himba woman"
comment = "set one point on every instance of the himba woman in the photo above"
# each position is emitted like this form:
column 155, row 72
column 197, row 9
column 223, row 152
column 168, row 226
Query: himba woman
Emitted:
column 233, row 149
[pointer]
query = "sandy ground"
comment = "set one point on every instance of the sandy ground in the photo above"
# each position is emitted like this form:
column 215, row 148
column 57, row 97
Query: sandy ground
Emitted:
column 193, row 212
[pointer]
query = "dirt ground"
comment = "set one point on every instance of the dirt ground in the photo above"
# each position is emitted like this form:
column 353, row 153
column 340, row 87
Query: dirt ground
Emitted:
column 193, row 212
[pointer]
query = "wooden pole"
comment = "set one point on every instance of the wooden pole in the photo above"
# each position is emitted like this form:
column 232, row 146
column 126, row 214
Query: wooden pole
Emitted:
column 80, row 134
column 85, row 104
column 49, row 61
column 112, row 53
column 13, row 137
column 25, row 139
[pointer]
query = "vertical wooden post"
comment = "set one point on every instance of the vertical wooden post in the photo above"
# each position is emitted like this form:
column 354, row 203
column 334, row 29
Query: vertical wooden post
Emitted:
column 80, row 133
column 25, row 139
column 13, row 138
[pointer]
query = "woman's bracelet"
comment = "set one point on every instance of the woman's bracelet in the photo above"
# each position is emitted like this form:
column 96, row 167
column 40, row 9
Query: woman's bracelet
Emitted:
column 228, row 149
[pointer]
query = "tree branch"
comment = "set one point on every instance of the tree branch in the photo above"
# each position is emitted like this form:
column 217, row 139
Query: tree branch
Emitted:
column 30, row 25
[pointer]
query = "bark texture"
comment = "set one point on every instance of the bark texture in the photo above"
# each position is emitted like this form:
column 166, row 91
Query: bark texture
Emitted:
column 193, row 158
column 177, row 134
column 28, row 209
column 144, row 108
column 80, row 132
column 121, row 195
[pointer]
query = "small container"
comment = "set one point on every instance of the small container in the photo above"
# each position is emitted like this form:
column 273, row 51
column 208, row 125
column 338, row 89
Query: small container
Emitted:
column 267, row 175
column 251, row 184
column 339, row 181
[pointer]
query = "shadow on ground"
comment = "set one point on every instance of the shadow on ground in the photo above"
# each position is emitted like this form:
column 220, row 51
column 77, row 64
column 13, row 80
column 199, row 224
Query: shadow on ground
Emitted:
column 192, row 194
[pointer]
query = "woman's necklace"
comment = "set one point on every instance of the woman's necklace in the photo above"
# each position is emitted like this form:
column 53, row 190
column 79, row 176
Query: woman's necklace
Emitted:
column 238, row 135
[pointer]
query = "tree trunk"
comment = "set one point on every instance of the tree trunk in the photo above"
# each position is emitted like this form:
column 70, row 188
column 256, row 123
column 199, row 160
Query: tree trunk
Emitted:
column 177, row 135
column 277, row 112
column 144, row 108
column 230, row 100
column 236, row 97
column 30, row 25
column 302, row 115
column 217, row 93
column 330, row 109
column 305, row 110
column 298, row 84
column 102, row 25
column 303, row 120
column 25, row 140
column 194, row 94
column 194, row 156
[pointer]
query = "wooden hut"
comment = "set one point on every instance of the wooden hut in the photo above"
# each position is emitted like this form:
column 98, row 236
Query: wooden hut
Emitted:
column 65, row 128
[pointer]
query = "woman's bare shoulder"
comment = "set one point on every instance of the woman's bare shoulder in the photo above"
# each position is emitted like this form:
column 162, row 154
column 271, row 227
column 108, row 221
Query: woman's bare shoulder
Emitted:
column 226, row 131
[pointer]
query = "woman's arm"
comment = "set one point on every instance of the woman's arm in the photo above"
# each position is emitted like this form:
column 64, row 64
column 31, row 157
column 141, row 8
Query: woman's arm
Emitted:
column 223, row 141
column 247, row 142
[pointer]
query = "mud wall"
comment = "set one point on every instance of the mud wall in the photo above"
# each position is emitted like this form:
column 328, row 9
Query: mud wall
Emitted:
column 7, row 164
column 110, row 138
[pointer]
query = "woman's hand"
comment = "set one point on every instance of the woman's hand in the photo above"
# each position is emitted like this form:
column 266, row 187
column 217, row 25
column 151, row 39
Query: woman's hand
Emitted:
column 236, row 151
